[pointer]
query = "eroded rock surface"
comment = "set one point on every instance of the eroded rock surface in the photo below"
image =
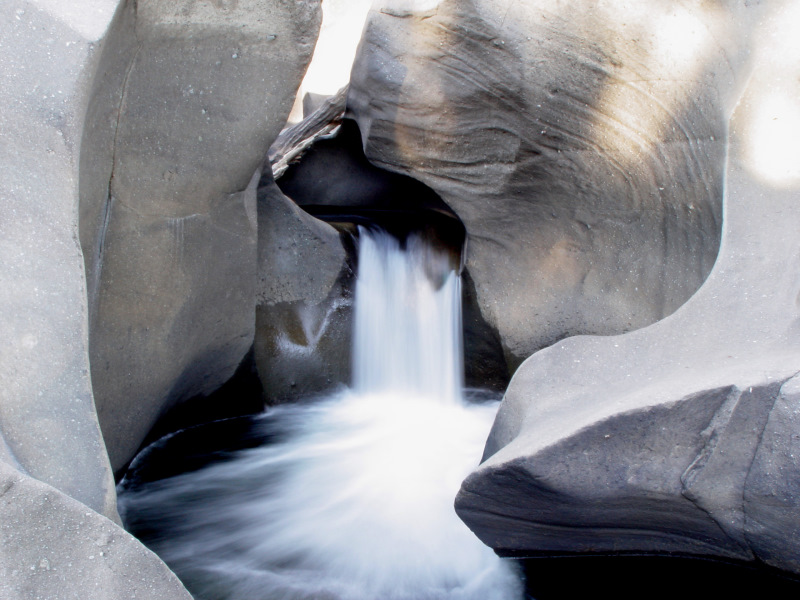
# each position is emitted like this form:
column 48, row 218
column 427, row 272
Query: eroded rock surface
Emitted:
column 58, row 538
column 188, row 99
column 680, row 437
column 583, row 151
column 304, row 301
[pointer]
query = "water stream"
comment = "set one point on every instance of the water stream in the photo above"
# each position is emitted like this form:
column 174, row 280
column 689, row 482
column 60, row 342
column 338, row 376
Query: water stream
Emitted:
column 353, row 500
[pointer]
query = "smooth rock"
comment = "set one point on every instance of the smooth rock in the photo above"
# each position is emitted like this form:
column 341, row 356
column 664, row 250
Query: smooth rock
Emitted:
column 772, row 488
column 581, row 144
column 303, row 323
column 48, row 423
column 679, row 437
column 189, row 97
column 54, row 547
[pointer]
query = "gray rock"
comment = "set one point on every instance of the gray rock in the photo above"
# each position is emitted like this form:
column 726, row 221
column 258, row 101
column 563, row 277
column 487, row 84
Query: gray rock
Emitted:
column 772, row 488
column 321, row 166
column 583, row 153
column 679, row 437
column 53, row 547
column 303, row 323
column 48, row 424
column 190, row 96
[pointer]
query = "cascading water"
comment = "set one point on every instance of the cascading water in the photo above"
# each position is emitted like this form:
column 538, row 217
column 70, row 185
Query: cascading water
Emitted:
column 408, row 320
column 355, row 501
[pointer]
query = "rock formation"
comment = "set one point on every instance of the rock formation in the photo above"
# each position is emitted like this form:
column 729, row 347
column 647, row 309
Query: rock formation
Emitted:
column 592, row 152
column 131, row 133
column 47, row 418
column 680, row 437
column 54, row 547
column 302, row 346
column 58, row 538
column 304, row 301
column 582, row 151
column 188, row 98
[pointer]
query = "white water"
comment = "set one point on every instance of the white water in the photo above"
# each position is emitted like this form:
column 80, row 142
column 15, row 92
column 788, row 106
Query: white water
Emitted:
column 407, row 321
column 357, row 502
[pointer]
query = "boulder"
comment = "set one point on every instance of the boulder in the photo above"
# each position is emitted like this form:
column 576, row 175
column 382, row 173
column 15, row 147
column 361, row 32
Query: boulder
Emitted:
column 772, row 488
column 303, row 323
column 582, row 146
column 188, row 98
column 54, row 547
column 679, row 437
column 48, row 424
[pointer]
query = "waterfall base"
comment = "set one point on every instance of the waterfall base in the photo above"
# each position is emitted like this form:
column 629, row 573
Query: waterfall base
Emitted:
column 352, row 499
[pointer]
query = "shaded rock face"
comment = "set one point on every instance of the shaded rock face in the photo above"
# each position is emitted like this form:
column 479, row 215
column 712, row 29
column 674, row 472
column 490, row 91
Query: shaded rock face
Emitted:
column 680, row 437
column 772, row 487
column 187, row 99
column 336, row 182
column 582, row 152
column 303, row 323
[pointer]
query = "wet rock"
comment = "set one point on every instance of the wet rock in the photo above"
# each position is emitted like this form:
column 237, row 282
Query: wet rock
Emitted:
column 484, row 361
column 583, row 154
column 321, row 165
column 679, row 437
column 188, row 98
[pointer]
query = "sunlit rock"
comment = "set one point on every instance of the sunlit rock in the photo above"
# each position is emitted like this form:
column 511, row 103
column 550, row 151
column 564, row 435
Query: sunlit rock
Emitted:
column 581, row 144
column 682, row 436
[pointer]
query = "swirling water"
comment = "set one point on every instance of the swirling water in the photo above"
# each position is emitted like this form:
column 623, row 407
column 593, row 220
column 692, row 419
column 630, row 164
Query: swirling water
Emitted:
column 354, row 501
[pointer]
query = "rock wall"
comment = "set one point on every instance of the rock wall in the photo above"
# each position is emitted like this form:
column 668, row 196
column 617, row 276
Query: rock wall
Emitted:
column 680, row 437
column 583, row 152
column 188, row 99
column 58, row 538
column 131, row 137
column 46, row 407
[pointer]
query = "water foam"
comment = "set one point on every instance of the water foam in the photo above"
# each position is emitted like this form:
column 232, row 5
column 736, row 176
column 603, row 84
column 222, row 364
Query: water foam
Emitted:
column 356, row 501
column 407, row 320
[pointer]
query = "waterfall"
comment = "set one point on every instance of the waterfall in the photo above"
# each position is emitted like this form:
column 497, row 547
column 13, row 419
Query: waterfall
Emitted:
column 354, row 501
column 407, row 335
